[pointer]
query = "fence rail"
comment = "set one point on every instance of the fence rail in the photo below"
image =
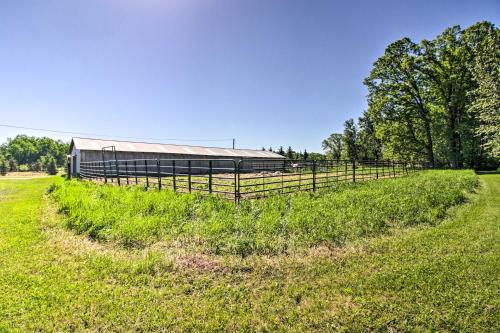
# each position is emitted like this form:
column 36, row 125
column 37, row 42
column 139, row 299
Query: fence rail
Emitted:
column 243, row 179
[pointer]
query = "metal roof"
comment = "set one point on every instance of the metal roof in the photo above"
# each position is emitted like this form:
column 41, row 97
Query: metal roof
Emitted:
column 161, row 148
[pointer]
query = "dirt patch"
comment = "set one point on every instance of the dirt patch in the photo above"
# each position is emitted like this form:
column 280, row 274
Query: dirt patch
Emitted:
column 198, row 262
column 24, row 175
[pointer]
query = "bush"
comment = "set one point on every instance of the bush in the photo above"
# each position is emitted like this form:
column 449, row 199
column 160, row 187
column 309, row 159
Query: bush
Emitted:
column 135, row 217
column 3, row 167
column 51, row 166
column 23, row 167
column 12, row 165
column 36, row 166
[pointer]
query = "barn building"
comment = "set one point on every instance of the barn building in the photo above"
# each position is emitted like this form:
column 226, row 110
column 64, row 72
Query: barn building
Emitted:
column 90, row 150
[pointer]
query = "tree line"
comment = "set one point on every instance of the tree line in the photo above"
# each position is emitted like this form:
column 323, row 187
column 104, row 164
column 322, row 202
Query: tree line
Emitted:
column 437, row 100
column 29, row 153
column 290, row 153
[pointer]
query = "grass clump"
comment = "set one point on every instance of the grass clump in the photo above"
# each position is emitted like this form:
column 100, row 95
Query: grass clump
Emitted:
column 136, row 217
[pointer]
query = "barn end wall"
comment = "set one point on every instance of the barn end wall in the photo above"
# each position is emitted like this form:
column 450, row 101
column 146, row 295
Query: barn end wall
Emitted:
column 75, row 161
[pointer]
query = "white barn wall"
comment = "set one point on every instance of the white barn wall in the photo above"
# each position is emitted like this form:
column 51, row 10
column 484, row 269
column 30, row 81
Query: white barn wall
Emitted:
column 90, row 150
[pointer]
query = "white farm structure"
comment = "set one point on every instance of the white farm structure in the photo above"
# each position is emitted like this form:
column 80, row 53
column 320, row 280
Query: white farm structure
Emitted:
column 94, row 150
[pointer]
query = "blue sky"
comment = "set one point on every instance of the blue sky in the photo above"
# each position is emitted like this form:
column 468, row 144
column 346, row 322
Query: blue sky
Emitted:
column 268, row 73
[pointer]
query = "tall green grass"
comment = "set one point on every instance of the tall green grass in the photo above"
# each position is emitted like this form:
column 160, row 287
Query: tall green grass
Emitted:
column 136, row 217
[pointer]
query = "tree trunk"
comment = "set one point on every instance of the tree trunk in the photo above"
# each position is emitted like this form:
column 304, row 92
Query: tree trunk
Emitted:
column 430, row 145
column 454, row 138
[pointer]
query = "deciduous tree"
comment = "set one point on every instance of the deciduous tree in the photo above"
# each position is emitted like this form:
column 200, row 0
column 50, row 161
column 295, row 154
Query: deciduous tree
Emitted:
column 349, row 140
column 333, row 146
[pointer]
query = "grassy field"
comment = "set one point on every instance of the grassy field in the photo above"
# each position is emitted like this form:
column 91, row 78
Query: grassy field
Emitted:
column 415, row 272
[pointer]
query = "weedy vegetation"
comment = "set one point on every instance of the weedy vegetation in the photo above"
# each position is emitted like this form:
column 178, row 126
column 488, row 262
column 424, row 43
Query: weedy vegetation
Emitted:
column 135, row 217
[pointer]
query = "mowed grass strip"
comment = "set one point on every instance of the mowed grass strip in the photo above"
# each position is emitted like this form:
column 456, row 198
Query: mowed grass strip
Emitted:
column 424, row 278
column 134, row 217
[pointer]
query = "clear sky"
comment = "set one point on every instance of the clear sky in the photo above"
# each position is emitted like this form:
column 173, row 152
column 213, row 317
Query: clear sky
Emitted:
column 266, row 72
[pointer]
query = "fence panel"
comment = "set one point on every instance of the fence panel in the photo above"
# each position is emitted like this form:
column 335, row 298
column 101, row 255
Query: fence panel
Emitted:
column 243, row 179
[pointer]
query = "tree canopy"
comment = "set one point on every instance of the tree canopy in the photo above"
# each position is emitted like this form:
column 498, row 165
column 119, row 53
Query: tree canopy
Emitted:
column 333, row 146
column 437, row 100
column 33, row 153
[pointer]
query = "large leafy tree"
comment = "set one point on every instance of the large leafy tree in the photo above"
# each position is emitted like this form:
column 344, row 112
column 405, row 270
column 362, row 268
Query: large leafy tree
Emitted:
column 484, row 42
column 316, row 156
column 369, row 146
column 31, row 150
column 333, row 146
column 439, row 99
column 350, row 140
column 399, row 103
column 445, row 66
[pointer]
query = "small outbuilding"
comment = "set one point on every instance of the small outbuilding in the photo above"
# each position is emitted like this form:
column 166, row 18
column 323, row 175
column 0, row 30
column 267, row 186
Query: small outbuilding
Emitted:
column 93, row 150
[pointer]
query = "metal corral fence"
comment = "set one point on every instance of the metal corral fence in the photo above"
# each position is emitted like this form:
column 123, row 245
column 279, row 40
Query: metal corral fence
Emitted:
column 243, row 179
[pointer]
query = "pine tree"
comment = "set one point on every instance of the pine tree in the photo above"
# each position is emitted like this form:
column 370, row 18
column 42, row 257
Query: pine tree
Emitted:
column 281, row 151
column 305, row 155
column 290, row 153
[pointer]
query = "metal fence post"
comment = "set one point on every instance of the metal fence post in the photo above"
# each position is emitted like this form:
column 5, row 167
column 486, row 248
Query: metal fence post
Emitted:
column 147, row 176
column 263, row 179
column 282, row 177
column 104, row 169
column 314, row 175
column 126, row 170
column 135, row 172
column 300, row 176
column 345, row 171
column 158, row 174
column 327, row 168
column 117, row 171
column 353, row 170
column 238, row 190
column 189, row 176
column 235, row 182
column 210, row 176
column 173, row 176
column 111, row 176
